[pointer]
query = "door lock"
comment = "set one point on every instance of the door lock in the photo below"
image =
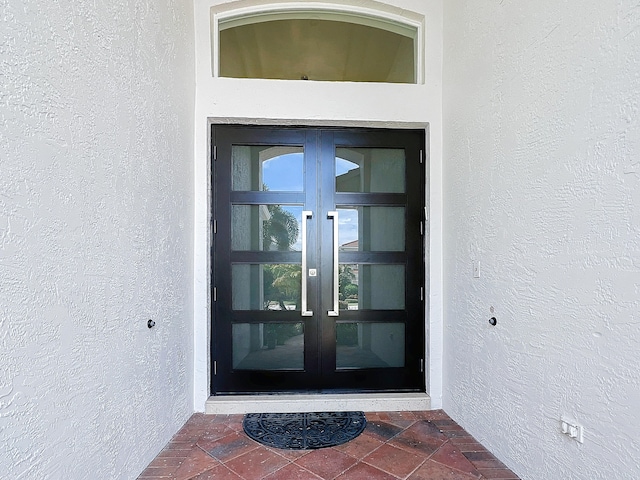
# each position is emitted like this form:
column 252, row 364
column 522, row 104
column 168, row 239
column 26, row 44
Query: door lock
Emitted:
column 313, row 272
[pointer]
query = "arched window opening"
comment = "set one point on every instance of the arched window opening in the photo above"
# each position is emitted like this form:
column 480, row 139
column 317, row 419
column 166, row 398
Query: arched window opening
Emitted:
column 317, row 45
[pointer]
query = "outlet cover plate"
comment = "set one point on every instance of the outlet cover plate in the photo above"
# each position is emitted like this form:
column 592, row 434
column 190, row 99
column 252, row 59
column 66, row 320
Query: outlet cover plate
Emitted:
column 572, row 429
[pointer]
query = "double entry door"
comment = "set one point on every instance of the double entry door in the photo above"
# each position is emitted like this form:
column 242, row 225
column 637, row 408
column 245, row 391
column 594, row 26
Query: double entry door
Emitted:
column 318, row 260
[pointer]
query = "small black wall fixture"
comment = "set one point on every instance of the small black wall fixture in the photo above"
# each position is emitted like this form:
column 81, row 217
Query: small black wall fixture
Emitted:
column 151, row 323
column 493, row 321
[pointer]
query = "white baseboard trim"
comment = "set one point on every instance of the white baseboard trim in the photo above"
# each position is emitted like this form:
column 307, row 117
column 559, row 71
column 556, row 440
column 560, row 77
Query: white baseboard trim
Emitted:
column 366, row 402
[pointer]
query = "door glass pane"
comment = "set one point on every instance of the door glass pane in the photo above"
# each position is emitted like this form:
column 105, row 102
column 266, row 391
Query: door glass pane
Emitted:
column 265, row 286
column 265, row 227
column 260, row 168
column 371, row 229
column 369, row 345
column 268, row 346
column 375, row 170
column 371, row 287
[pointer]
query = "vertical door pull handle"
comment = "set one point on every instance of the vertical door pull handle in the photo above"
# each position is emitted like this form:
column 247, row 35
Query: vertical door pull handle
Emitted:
column 336, row 306
column 306, row 214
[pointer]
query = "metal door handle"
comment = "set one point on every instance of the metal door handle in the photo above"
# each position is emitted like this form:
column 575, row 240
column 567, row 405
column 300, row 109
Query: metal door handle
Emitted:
column 336, row 306
column 306, row 214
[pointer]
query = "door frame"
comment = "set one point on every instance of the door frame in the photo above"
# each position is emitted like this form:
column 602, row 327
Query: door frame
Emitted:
column 356, row 126
column 416, row 116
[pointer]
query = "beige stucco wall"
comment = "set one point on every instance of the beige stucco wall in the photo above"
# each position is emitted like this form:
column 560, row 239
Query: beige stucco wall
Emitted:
column 96, row 232
column 542, row 186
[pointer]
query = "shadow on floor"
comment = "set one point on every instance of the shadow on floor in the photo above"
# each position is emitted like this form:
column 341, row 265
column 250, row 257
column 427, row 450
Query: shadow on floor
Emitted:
column 395, row 445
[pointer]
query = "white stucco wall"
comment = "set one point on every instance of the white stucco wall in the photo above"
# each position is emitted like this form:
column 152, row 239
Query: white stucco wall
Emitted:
column 542, row 186
column 96, row 231
column 326, row 104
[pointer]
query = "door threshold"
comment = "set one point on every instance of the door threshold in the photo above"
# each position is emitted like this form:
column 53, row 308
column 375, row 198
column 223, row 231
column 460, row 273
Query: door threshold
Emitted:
column 297, row 403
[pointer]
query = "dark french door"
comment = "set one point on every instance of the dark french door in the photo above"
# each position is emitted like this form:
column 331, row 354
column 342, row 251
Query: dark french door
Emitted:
column 318, row 260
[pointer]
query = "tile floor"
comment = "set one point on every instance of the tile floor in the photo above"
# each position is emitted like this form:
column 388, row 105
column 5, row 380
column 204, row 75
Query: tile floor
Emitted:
column 395, row 445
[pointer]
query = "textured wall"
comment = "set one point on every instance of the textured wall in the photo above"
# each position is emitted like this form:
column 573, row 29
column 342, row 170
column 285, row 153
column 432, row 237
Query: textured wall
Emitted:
column 542, row 185
column 96, row 222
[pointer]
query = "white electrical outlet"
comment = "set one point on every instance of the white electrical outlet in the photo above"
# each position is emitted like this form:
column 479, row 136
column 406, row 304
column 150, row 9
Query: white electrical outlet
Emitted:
column 572, row 429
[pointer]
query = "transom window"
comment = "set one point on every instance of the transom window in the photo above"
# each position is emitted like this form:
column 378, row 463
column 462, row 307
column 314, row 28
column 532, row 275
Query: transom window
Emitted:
column 317, row 45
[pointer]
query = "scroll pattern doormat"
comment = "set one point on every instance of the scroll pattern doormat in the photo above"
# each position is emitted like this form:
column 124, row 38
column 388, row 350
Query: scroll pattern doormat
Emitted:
column 304, row 431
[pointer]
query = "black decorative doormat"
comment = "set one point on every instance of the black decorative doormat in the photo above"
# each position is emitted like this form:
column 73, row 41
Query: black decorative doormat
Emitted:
column 304, row 431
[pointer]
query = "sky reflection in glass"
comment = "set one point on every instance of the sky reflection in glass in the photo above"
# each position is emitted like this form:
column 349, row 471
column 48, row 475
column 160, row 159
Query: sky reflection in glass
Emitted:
column 284, row 173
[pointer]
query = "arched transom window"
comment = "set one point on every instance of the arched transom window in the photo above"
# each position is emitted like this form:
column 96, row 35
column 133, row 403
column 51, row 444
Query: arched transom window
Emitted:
column 317, row 45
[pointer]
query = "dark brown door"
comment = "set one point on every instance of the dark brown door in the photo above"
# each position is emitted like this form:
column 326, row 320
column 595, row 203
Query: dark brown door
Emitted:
column 318, row 260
